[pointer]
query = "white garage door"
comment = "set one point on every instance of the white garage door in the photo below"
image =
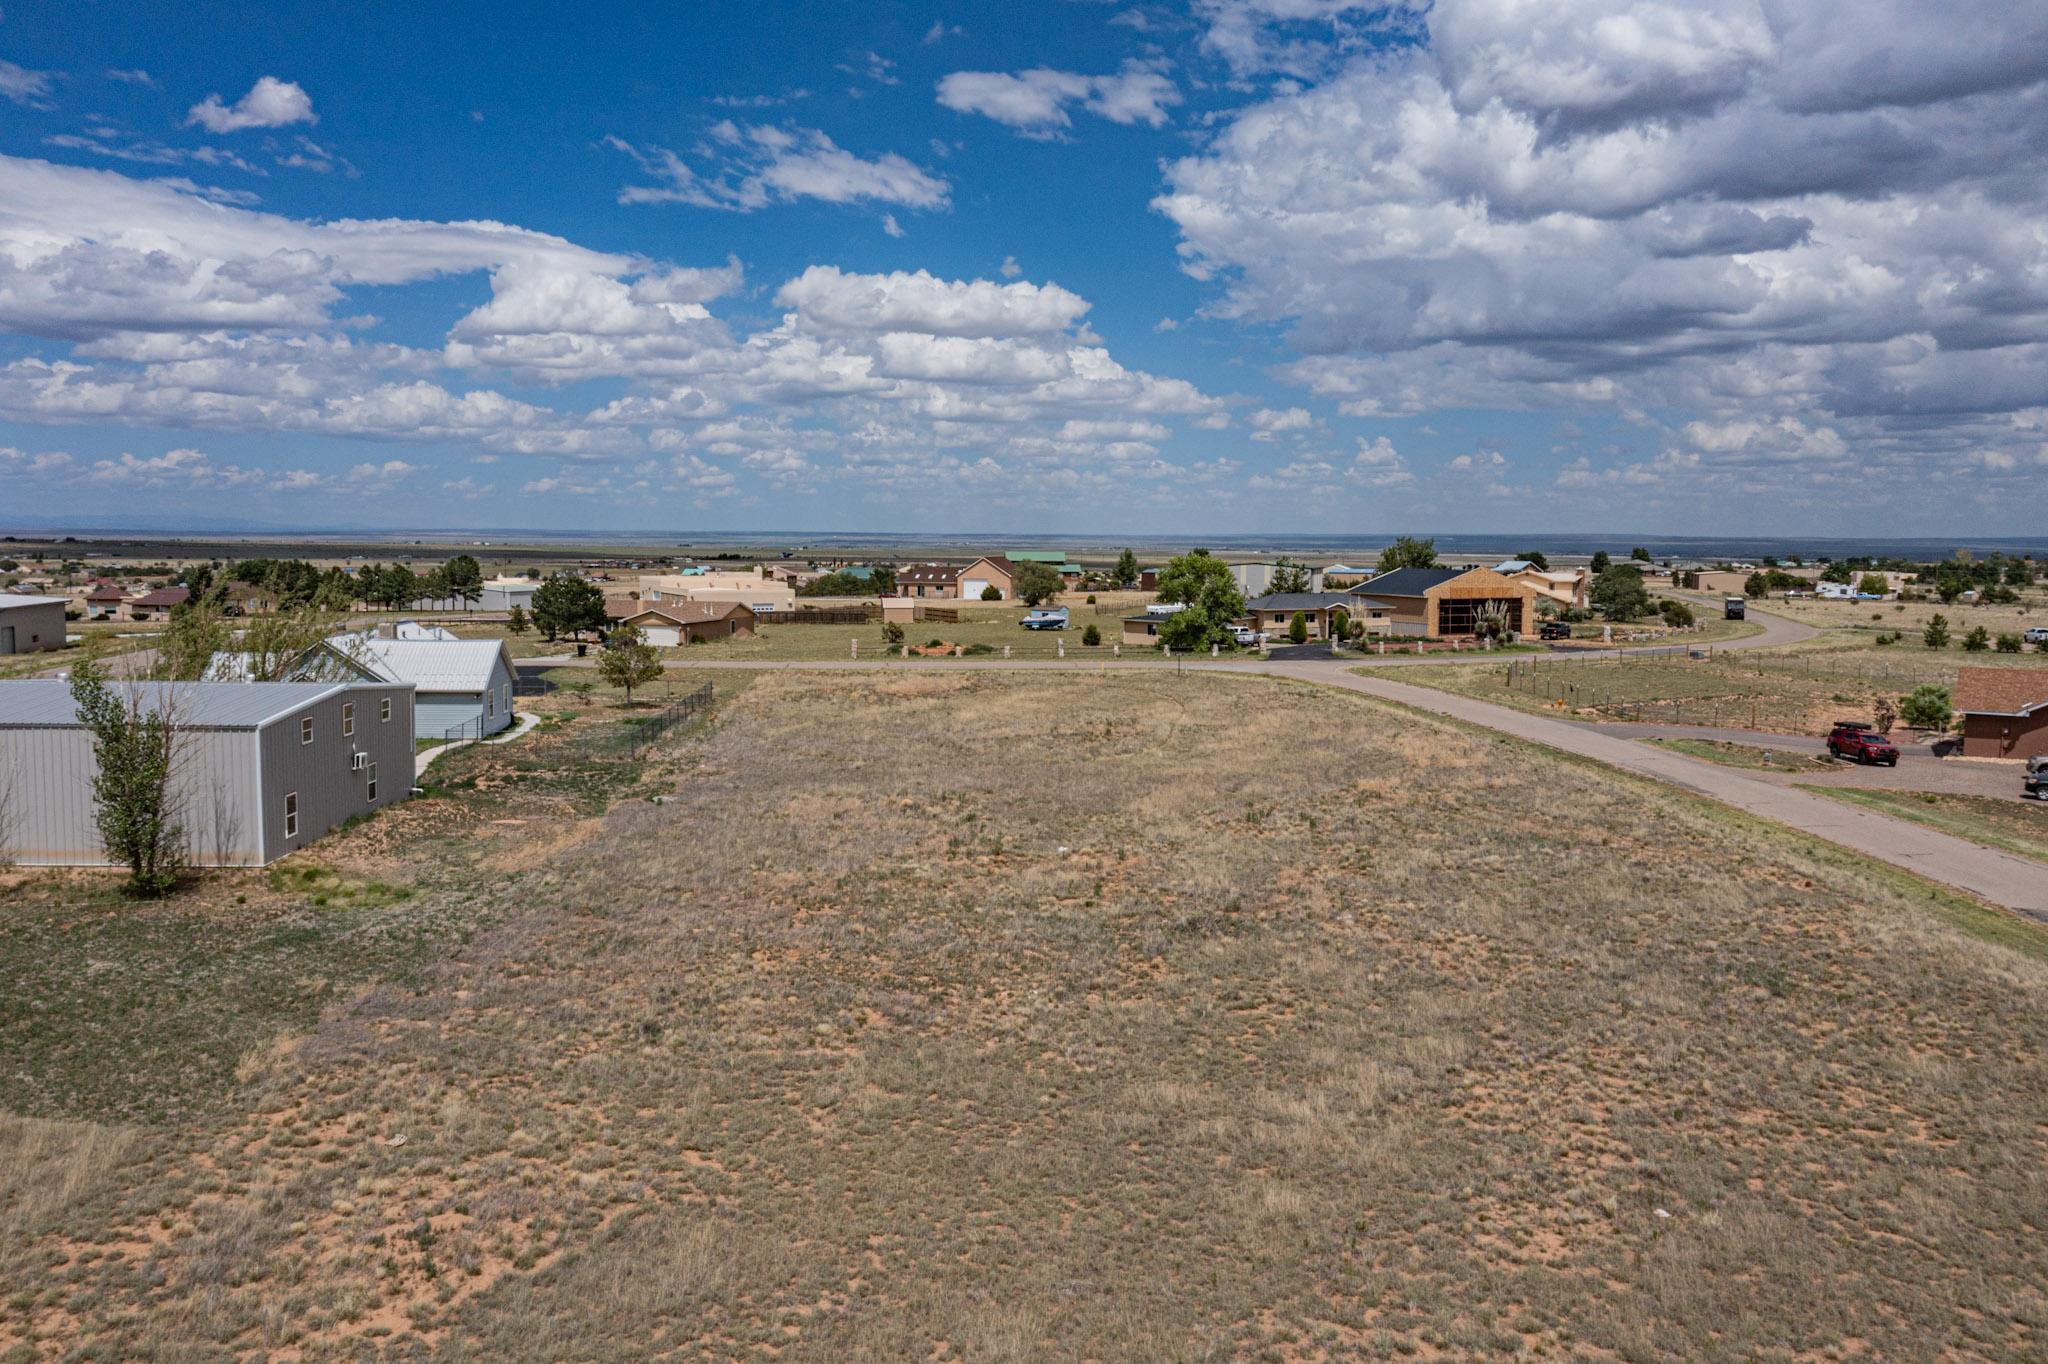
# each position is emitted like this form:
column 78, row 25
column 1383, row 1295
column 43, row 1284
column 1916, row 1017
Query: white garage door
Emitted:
column 664, row 636
column 972, row 588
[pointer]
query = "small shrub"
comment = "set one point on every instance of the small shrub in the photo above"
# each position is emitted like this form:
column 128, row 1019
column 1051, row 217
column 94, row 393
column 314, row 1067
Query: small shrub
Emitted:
column 892, row 633
column 1297, row 628
column 1091, row 599
column 1091, row 636
column 1935, row 636
column 1978, row 640
column 2009, row 644
column 1927, row 708
column 1677, row 615
column 994, row 593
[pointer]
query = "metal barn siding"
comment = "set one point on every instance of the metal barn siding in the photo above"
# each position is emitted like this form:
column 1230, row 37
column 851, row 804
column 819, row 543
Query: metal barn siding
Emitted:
column 442, row 711
column 47, row 772
column 31, row 625
column 331, row 789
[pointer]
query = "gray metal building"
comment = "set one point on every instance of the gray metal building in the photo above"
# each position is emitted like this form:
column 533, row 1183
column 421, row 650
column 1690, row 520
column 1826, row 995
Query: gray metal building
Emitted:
column 30, row 625
column 464, row 686
column 263, row 768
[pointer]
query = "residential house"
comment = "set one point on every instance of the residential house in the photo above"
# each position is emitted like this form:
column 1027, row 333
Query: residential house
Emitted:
column 978, row 577
column 929, row 580
column 31, row 625
column 104, row 601
column 668, row 624
column 156, row 605
column 2004, row 710
column 750, row 589
column 263, row 768
column 1443, row 602
column 464, row 687
column 1566, row 587
column 1274, row 613
column 1143, row 630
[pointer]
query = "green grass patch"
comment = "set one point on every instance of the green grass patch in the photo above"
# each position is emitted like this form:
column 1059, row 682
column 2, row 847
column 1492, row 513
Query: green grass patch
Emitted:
column 329, row 889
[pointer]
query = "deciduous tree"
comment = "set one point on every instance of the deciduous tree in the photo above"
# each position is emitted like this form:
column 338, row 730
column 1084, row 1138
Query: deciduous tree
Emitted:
column 567, row 605
column 1211, row 602
column 1408, row 552
column 1035, row 583
column 136, row 741
column 628, row 660
column 1618, row 593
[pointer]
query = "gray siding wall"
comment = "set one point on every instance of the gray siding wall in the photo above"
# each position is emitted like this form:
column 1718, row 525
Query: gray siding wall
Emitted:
column 329, row 788
column 36, row 628
column 442, row 711
column 46, row 788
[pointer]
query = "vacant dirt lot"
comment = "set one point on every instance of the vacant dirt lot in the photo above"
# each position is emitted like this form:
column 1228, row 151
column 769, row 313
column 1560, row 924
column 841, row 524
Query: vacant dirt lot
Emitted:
column 982, row 1017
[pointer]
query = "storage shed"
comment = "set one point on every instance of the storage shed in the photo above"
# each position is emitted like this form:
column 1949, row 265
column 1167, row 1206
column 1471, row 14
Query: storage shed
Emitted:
column 30, row 625
column 262, row 768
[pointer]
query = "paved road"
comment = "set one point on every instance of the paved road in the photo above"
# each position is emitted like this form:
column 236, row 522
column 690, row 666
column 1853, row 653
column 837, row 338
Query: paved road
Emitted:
column 2018, row 883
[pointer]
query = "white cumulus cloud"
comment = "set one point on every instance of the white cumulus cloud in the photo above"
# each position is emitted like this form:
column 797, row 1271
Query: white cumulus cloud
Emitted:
column 270, row 103
column 1035, row 102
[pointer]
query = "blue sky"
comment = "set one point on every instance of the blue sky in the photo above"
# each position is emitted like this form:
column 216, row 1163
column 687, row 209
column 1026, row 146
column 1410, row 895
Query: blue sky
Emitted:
column 1227, row 265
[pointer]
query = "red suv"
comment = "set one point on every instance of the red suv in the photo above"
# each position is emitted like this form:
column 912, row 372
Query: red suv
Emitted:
column 1859, row 741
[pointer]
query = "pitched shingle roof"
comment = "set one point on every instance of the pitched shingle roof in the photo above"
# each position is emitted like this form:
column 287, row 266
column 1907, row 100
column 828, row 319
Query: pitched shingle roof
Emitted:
column 2001, row 691
column 1302, row 601
column 686, row 612
column 930, row 573
column 163, row 596
column 1408, row 582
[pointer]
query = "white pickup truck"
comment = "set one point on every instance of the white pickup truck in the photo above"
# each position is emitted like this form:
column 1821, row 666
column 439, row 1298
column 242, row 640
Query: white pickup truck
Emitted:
column 1248, row 638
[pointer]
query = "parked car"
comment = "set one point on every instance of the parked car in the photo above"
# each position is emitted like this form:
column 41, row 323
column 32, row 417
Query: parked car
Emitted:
column 2037, row 635
column 1047, row 618
column 1246, row 637
column 1855, row 740
column 1553, row 629
column 2037, row 777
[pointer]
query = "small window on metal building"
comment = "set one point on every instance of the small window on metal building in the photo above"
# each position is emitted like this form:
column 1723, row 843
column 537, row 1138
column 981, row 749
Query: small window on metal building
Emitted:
column 291, row 814
column 384, row 711
column 370, row 787
column 306, row 729
column 348, row 718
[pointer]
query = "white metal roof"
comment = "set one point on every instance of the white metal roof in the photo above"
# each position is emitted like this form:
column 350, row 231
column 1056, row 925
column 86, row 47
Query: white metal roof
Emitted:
column 42, row 702
column 13, row 599
column 431, row 665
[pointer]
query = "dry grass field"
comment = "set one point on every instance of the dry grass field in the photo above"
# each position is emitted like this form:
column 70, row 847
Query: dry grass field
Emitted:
column 1912, row 617
column 972, row 1017
column 1796, row 690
